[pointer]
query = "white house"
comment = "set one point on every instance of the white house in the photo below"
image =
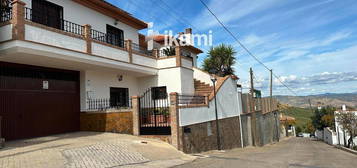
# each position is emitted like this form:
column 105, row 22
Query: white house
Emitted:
column 62, row 57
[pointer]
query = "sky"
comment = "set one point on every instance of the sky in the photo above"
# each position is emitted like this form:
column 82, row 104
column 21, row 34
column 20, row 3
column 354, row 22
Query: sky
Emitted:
column 310, row 44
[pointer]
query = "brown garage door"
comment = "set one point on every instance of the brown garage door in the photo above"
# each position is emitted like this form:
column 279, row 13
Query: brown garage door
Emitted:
column 37, row 101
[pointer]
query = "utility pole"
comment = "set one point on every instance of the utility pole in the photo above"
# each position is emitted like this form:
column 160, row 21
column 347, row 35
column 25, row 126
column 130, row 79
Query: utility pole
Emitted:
column 252, row 108
column 271, row 106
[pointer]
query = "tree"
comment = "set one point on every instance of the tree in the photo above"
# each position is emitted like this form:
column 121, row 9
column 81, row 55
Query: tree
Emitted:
column 220, row 59
column 348, row 121
column 310, row 128
column 323, row 118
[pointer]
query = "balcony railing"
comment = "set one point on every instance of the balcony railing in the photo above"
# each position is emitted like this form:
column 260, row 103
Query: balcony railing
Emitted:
column 107, row 104
column 139, row 49
column 54, row 22
column 107, row 38
column 186, row 100
column 5, row 15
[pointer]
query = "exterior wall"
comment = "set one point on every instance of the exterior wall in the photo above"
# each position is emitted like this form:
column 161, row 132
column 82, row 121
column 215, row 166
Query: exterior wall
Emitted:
column 202, row 76
column 330, row 137
column 186, row 63
column 166, row 63
column 147, row 82
column 98, row 83
column 142, row 60
column 82, row 15
column 227, row 106
column 118, row 122
column 109, row 52
column 177, row 80
column 203, row 136
column 51, row 38
column 6, row 32
column 187, row 83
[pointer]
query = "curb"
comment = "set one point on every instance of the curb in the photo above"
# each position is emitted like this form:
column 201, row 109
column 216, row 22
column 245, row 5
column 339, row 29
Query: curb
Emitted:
column 346, row 149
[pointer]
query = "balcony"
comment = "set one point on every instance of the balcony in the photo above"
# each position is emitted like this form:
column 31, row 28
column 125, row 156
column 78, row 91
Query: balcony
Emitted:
column 30, row 26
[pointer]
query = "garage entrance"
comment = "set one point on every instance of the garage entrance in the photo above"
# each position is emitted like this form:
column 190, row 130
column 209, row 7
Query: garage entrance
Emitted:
column 37, row 101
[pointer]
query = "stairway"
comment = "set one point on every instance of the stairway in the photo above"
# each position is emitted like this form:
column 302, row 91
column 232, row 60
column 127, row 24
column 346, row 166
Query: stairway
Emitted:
column 202, row 88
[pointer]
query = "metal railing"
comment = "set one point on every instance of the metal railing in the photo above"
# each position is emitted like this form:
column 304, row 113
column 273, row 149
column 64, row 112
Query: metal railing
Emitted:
column 139, row 49
column 185, row 100
column 107, row 38
column 53, row 21
column 107, row 103
column 5, row 15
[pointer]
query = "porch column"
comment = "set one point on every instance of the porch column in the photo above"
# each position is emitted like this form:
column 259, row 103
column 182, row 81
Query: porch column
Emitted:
column 18, row 20
column 178, row 56
column 129, row 48
column 136, row 119
column 176, row 130
column 88, row 37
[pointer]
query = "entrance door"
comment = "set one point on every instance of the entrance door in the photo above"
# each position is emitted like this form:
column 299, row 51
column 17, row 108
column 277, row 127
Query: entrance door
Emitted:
column 37, row 101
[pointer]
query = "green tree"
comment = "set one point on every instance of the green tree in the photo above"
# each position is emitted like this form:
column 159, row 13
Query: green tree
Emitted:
column 220, row 59
column 323, row 118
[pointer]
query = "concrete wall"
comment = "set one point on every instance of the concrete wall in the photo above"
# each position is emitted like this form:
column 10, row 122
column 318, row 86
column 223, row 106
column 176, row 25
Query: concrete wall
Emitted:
column 227, row 105
column 82, row 15
column 109, row 52
column 202, row 76
column 267, row 128
column 6, row 32
column 330, row 137
column 203, row 136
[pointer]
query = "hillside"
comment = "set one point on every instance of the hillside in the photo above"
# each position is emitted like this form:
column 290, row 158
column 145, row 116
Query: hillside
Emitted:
column 336, row 100
column 302, row 115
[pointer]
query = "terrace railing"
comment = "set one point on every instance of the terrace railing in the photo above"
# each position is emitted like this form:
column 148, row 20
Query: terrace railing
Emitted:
column 106, row 104
column 139, row 49
column 188, row 100
column 107, row 38
column 5, row 15
column 53, row 21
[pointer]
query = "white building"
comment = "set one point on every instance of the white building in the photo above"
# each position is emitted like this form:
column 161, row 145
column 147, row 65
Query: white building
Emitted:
column 342, row 136
column 62, row 57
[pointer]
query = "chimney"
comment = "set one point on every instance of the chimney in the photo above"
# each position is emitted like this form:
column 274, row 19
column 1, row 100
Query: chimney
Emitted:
column 344, row 108
column 188, row 31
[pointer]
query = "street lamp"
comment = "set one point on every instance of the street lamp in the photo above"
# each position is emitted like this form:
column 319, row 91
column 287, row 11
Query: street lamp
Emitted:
column 214, row 80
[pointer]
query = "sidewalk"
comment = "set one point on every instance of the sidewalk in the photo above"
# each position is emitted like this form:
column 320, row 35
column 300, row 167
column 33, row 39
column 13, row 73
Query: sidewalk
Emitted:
column 90, row 149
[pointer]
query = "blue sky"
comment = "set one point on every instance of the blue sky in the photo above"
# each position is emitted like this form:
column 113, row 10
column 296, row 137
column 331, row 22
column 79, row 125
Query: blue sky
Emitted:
column 311, row 44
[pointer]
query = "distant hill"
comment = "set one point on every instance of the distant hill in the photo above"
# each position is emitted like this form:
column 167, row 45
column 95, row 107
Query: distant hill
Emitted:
column 332, row 99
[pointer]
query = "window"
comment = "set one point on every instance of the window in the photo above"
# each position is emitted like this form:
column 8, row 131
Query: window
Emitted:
column 115, row 36
column 158, row 93
column 119, row 97
column 47, row 13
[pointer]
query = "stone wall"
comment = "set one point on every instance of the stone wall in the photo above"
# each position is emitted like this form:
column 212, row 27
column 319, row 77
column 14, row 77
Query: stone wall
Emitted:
column 117, row 121
column 202, row 137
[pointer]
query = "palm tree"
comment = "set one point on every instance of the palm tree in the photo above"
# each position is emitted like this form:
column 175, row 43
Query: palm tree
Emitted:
column 220, row 60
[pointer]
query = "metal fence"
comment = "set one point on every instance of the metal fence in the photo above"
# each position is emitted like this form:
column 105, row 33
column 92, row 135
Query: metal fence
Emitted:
column 111, row 39
column 139, row 49
column 106, row 104
column 54, row 22
column 5, row 15
column 186, row 100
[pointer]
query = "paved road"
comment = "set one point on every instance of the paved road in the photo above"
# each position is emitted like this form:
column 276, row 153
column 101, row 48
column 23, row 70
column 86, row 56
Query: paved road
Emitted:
column 291, row 153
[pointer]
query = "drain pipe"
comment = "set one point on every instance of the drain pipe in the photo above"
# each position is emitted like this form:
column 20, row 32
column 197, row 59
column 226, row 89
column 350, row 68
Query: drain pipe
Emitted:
column 240, row 110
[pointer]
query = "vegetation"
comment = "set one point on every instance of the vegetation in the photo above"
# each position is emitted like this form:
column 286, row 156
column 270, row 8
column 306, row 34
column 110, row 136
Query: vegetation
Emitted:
column 169, row 51
column 302, row 116
column 348, row 121
column 220, row 59
column 324, row 118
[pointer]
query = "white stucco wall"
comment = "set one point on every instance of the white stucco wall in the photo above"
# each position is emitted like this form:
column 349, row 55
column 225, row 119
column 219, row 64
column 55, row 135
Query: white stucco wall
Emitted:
column 82, row 15
column 166, row 63
column 202, row 76
column 177, row 80
column 227, row 106
column 109, row 52
column 187, row 83
column 51, row 38
column 6, row 32
column 147, row 82
column 141, row 60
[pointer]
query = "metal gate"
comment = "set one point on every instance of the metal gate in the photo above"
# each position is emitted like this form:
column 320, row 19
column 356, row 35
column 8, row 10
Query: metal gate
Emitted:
column 154, row 113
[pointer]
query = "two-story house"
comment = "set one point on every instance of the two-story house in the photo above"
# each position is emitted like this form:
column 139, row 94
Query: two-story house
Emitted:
column 62, row 57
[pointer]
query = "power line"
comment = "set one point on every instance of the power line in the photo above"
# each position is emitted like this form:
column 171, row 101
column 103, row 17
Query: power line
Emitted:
column 245, row 48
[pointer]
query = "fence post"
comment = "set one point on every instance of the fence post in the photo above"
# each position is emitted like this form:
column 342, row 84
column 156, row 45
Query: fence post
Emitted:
column 128, row 47
column 88, row 37
column 136, row 118
column 18, row 20
column 176, row 132
column 155, row 53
